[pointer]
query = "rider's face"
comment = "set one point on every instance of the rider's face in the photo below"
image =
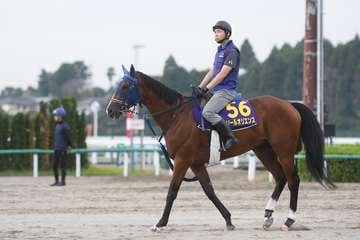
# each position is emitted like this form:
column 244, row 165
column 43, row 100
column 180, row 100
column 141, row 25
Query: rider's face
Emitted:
column 57, row 118
column 219, row 35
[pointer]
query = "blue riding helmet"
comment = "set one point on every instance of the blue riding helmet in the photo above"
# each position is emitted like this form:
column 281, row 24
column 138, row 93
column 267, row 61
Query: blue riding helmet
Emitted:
column 60, row 111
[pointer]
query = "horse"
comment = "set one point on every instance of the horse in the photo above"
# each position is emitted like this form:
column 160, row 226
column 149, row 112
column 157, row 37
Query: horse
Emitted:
column 282, row 128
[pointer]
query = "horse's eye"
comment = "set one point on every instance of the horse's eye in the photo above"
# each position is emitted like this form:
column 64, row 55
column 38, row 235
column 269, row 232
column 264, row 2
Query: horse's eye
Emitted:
column 125, row 86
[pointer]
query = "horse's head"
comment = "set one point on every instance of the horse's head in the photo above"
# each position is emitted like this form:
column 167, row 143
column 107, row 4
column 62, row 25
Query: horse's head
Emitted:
column 126, row 95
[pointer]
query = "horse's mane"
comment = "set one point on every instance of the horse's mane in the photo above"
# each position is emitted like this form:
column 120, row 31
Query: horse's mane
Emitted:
column 167, row 94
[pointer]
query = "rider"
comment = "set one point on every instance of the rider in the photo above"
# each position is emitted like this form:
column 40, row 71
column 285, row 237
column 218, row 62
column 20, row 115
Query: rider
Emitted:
column 221, row 82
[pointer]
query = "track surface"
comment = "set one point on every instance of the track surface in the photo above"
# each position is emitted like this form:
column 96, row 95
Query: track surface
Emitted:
column 119, row 208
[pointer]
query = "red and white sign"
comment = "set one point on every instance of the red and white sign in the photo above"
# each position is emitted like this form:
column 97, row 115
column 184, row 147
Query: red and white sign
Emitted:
column 135, row 124
column 129, row 133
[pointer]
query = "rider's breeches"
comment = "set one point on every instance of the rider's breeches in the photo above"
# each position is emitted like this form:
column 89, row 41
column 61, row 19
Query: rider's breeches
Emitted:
column 60, row 161
column 216, row 103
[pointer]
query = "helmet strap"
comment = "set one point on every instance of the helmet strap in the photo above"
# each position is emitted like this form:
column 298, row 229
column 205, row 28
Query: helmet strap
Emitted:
column 223, row 40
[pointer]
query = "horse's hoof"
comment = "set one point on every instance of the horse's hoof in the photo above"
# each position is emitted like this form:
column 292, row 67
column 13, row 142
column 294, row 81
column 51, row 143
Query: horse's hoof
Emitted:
column 284, row 228
column 230, row 227
column 268, row 221
column 287, row 225
column 155, row 229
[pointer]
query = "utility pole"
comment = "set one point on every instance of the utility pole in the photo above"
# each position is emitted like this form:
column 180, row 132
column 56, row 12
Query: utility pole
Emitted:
column 310, row 54
column 313, row 79
column 137, row 48
column 320, row 66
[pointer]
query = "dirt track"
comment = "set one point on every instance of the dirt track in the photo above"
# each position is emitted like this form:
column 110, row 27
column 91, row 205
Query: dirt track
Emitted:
column 118, row 208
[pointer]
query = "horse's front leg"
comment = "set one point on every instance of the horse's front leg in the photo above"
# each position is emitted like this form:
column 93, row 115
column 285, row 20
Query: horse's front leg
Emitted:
column 180, row 169
column 204, row 179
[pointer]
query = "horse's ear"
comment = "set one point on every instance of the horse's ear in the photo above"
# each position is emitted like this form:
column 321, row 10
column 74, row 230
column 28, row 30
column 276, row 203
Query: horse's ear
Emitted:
column 126, row 72
column 132, row 71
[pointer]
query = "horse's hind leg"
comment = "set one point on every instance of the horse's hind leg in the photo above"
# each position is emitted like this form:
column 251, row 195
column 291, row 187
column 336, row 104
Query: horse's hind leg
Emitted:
column 269, row 159
column 293, row 179
column 203, row 176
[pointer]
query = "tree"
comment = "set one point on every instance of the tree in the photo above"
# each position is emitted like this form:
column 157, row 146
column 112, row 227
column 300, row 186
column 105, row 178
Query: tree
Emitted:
column 110, row 75
column 4, row 137
column 81, row 127
column 95, row 92
column 44, row 83
column 248, row 57
column 18, row 140
column 342, row 81
column 42, row 134
column 293, row 59
column 249, row 82
column 12, row 92
column 68, row 80
column 272, row 74
column 176, row 77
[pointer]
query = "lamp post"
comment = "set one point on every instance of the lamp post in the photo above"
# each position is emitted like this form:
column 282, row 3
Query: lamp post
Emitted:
column 137, row 48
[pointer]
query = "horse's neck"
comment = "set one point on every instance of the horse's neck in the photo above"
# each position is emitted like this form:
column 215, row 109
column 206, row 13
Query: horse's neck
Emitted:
column 161, row 111
column 156, row 103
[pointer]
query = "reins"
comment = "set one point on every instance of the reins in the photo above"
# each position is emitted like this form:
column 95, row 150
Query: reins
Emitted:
column 169, row 123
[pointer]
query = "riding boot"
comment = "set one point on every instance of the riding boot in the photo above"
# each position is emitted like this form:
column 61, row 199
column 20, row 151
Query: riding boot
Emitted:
column 226, row 135
column 56, row 183
column 62, row 183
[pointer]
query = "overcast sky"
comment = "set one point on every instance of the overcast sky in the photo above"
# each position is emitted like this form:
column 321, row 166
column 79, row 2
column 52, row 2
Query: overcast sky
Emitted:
column 36, row 34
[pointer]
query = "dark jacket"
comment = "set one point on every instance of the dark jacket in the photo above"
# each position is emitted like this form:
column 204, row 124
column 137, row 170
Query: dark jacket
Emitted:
column 62, row 136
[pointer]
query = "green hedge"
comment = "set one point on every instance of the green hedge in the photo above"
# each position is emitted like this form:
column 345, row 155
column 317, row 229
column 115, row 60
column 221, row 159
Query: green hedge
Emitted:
column 35, row 130
column 342, row 170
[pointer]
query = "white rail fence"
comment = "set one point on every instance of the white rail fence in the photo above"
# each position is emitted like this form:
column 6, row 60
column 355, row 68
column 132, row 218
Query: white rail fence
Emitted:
column 125, row 159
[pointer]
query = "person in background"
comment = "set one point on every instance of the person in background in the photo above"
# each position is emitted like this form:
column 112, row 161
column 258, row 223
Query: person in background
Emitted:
column 62, row 143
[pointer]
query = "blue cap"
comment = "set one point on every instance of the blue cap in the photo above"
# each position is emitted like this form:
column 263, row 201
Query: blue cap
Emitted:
column 60, row 111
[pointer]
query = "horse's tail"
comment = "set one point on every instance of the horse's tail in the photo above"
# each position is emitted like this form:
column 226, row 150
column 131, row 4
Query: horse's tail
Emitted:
column 312, row 137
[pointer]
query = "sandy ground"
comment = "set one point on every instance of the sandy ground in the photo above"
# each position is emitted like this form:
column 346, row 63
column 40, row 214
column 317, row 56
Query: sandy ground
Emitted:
column 119, row 208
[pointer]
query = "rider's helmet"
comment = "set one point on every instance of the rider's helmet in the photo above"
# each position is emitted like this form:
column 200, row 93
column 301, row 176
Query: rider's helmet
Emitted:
column 60, row 111
column 223, row 25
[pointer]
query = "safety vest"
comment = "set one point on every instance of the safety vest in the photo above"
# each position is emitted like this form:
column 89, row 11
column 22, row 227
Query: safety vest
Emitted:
column 229, row 82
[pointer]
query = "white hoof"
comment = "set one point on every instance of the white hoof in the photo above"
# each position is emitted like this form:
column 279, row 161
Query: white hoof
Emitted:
column 284, row 228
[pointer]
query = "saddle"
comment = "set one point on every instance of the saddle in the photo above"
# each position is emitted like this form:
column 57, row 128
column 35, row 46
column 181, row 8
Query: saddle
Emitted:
column 238, row 114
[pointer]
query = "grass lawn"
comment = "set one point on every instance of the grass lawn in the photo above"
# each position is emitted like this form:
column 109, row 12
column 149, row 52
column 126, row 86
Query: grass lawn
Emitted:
column 92, row 170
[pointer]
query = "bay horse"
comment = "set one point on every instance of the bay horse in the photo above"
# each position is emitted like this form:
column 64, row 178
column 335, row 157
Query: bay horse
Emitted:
column 277, row 137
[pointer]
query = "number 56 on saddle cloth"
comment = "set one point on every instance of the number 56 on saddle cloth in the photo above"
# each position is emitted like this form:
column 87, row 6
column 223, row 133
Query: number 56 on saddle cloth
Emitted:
column 238, row 114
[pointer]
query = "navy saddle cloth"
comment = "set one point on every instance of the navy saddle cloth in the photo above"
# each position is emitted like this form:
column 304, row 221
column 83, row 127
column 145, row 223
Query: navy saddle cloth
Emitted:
column 238, row 114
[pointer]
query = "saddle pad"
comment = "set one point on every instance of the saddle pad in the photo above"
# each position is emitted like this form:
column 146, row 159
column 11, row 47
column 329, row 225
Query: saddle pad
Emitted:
column 238, row 114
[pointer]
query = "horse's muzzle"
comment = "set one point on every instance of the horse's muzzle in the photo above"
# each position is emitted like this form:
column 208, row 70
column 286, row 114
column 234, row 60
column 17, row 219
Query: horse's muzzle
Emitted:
column 114, row 110
column 113, row 114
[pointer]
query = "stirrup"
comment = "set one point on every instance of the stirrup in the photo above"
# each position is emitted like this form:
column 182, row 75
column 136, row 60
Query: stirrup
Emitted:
column 234, row 142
